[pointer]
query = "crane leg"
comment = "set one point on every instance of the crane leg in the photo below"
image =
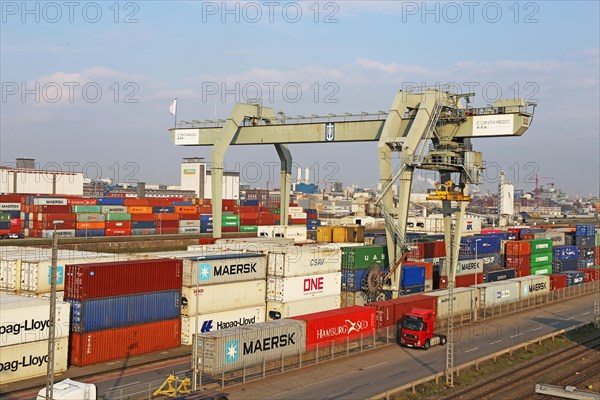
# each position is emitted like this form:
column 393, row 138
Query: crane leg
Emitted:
column 285, row 156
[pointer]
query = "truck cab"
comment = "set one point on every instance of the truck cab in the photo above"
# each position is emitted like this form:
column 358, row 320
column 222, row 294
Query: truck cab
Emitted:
column 416, row 329
column 70, row 390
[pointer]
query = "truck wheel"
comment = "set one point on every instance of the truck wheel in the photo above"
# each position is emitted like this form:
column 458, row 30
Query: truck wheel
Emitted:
column 426, row 345
column 443, row 340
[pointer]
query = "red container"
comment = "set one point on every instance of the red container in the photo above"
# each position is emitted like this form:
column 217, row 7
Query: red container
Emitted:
column 167, row 224
column 248, row 222
column 166, row 217
column 158, row 202
column 139, row 210
column 205, row 209
column 186, row 217
column 489, row 231
column 297, row 221
column 207, row 240
column 517, row 261
column 230, row 229
column 135, row 202
column 516, row 231
column 249, row 215
column 50, row 225
column 142, row 217
column 590, row 274
column 468, row 280
column 517, row 248
column 229, row 202
column 82, row 202
column 558, row 281
column 246, row 209
column 12, row 198
column 417, row 251
column 527, row 236
column 428, row 267
column 389, row 312
column 117, row 232
column 97, row 280
column 167, row 231
column 54, row 217
column 118, row 225
column 338, row 325
column 51, row 209
column 523, row 271
column 112, row 344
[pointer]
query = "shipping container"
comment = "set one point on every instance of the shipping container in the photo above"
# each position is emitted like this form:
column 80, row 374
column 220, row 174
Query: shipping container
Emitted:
column 89, row 226
column 163, row 210
column 49, row 201
column 558, row 238
column 558, row 281
column 412, row 275
column 86, row 209
column 517, row 262
column 291, row 261
column 360, row 257
column 338, row 326
column 113, row 209
column 538, row 259
column 30, row 360
column 574, row 278
column 111, row 201
column 188, row 230
column 139, row 210
column 468, row 280
column 517, row 248
column 354, row 279
column 500, row 275
column 223, row 268
column 10, row 206
column 189, row 222
column 113, row 344
column 542, row 270
column 564, row 252
column 496, row 293
column 249, row 345
column 89, row 232
column 48, row 233
column 278, row 310
column 220, row 320
column 91, row 217
column 559, row 266
column 464, row 301
column 303, row 287
column 464, row 267
column 90, row 281
column 405, row 290
column 26, row 319
column 585, row 241
column 119, row 311
column 535, row 285
column 214, row 298
column 541, row 246
column 585, row 230
column 481, row 244
column 67, row 217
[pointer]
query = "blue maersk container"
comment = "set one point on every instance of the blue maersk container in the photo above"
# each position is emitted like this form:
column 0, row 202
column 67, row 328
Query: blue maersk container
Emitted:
column 162, row 210
column 115, row 312
column 412, row 275
column 110, row 201
column 574, row 278
column 89, row 232
column 485, row 244
column 585, row 230
column 500, row 275
column 564, row 252
column 353, row 279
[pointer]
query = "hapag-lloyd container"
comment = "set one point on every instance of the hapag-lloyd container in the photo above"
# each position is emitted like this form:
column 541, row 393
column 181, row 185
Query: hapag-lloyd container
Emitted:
column 89, row 281
column 214, row 298
column 220, row 320
column 249, row 345
column 389, row 312
column 465, row 301
column 30, row 360
column 303, row 287
column 305, row 260
column 495, row 293
column 339, row 325
column 533, row 285
column 25, row 319
column 115, row 312
column 277, row 310
column 112, row 344
column 224, row 268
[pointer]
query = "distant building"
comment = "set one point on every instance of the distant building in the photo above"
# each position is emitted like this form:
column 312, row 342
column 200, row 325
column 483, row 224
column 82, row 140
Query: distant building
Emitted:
column 28, row 180
column 196, row 177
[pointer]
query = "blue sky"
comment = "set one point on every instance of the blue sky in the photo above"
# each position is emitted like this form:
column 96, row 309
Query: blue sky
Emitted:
column 360, row 57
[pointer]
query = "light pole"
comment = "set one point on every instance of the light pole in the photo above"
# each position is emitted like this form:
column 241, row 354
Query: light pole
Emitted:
column 52, row 319
column 476, row 291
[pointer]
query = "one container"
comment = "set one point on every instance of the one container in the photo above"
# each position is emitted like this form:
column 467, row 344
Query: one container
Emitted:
column 305, row 260
column 335, row 326
column 500, row 275
column 277, row 310
column 249, row 345
column 534, row 285
column 465, row 300
column 115, row 312
column 495, row 293
column 303, row 287
column 90, row 281
column 214, row 298
column 30, row 360
column 113, row 344
column 220, row 320
column 223, row 268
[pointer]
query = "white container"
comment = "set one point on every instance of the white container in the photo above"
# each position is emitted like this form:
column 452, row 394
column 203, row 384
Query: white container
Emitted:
column 43, row 201
column 29, row 360
column 262, row 245
column 26, row 319
column 465, row 301
column 297, row 215
column 293, row 308
column 10, row 206
column 296, row 232
column 9, row 279
column 501, row 292
column 114, row 209
column 215, row 298
column 428, row 285
column 48, row 233
column 189, row 229
column 220, row 320
column 533, row 285
column 305, row 260
column 189, row 222
column 225, row 268
column 303, row 287
column 464, row 267
column 348, row 299
column 293, row 210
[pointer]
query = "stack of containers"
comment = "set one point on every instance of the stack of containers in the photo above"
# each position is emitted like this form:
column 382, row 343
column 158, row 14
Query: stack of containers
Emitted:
column 585, row 239
column 206, row 223
column 356, row 261
column 11, row 215
column 297, row 216
column 529, row 257
column 41, row 218
column 249, row 216
column 121, row 309
column 312, row 219
column 303, row 279
column 117, row 219
column 564, row 258
column 189, row 218
column 90, row 220
column 268, row 217
column 24, row 337
column 223, row 290
column 166, row 221
column 230, row 222
column 142, row 219
column 541, row 257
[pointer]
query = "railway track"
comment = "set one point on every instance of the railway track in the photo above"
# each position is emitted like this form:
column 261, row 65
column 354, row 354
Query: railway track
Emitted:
column 514, row 377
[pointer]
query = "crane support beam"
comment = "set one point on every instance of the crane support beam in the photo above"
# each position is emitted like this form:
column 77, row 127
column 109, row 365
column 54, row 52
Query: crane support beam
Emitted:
column 285, row 157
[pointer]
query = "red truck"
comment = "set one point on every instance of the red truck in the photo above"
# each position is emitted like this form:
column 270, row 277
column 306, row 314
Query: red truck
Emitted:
column 416, row 329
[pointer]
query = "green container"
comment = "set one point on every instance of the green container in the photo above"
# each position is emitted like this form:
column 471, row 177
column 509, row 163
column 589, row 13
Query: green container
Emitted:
column 230, row 223
column 118, row 217
column 542, row 270
column 541, row 246
column 249, row 228
column 230, row 217
column 86, row 209
column 275, row 211
column 4, row 217
column 541, row 259
column 362, row 257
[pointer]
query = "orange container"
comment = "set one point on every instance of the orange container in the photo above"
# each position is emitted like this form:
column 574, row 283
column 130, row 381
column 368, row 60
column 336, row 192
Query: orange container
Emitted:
column 139, row 209
column 90, row 225
column 517, row 248
column 166, row 217
column 186, row 209
column 135, row 202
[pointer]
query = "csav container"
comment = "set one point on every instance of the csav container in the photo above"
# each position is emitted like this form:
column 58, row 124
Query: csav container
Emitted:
column 113, row 344
column 277, row 310
column 292, row 261
column 249, row 345
column 30, row 360
column 214, row 298
column 223, row 268
column 303, row 287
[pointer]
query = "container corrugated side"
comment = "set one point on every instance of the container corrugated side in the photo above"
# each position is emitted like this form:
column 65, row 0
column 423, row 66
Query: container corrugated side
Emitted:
column 224, row 268
column 501, row 292
column 9, row 275
column 464, row 267
column 115, row 312
column 113, row 344
column 534, row 285
column 303, row 287
column 465, row 299
column 293, row 308
column 220, row 320
column 364, row 256
column 89, row 281
column 25, row 319
column 30, row 360
column 390, row 312
column 230, row 349
column 305, row 260
column 214, row 298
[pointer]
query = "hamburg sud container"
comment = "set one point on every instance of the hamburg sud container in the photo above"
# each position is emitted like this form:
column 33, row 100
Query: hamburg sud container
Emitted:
column 25, row 319
column 220, row 320
column 495, row 293
column 230, row 349
column 213, row 298
column 390, row 312
column 278, row 310
column 90, row 281
column 338, row 326
column 465, row 300
column 534, row 285
column 30, row 360
column 115, row 312
column 111, row 344
column 303, row 287
column 223, row 268
column 305, row 260
column 500, row 275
